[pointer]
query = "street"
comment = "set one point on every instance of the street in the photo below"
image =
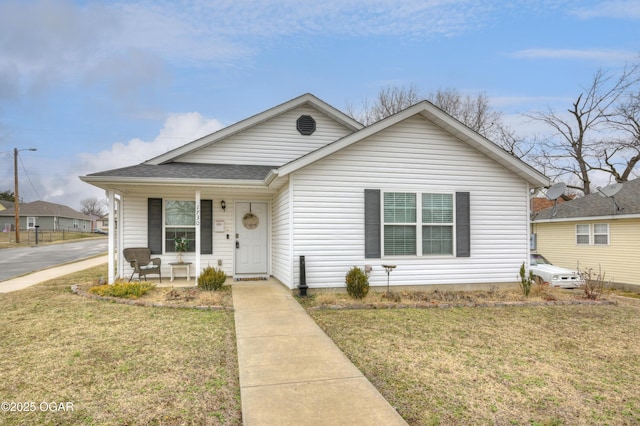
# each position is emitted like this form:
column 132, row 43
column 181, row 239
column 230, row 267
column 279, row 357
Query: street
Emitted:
column 19, row 261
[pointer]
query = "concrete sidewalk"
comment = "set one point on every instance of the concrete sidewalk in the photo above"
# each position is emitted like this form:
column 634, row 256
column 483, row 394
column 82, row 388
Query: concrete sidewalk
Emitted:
column 47, row 274
column 291, row 372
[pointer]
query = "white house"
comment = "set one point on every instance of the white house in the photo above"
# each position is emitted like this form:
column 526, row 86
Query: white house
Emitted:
column 418, row 190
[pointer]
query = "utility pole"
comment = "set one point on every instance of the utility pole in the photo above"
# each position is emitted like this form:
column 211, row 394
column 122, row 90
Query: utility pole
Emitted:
column 16, row 196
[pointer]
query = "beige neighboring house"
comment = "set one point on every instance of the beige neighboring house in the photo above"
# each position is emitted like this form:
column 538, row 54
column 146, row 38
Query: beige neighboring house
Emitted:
column 47, row 216
column 594, row 232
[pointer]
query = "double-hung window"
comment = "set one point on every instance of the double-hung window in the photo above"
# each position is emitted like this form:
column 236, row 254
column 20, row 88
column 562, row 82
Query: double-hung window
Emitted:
column 583, row 235
column 601, row 233
column 596, row 234
column 437, row 224
column 179, row 222
column 409, row 229
column 399, row 223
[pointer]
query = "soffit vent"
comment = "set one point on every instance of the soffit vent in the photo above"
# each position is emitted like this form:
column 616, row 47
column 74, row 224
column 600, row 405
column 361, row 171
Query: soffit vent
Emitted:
column 306, row 125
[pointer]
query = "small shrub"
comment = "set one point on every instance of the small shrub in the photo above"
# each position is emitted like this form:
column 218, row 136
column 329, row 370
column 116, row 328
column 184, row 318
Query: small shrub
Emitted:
column 594, row 284
column 357, row 283
column 211, row 279
column 526, row 280
column 124, row 290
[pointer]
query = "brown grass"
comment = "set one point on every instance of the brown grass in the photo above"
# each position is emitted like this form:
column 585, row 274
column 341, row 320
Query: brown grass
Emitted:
column 116, row 364
column 542, row 365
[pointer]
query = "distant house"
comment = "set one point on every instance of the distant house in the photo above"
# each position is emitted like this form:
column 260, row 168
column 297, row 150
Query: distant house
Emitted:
column 5, row 205
column 48, row 216
column 594, row 232
column 303, row 180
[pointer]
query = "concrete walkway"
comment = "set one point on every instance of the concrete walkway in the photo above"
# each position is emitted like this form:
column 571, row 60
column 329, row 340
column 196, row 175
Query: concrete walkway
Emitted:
column 47, row 274
column 291, row 372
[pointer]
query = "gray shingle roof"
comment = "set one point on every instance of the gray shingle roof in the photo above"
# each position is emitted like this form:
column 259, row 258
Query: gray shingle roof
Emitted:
column 44, row 208
column 594, row 205
column 190, row 171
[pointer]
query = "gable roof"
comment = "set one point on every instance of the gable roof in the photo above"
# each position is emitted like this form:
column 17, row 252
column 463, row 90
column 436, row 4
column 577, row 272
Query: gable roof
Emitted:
column 164, row 169
column 306, row 99
column 596, row 205
column 6, row 204
column 441, row 119
column 44, row 208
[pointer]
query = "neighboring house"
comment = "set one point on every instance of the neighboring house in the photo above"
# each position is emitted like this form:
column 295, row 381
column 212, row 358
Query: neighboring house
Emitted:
column 5, row 205
column 47, row 216
column 418, row 190
column 594, row 232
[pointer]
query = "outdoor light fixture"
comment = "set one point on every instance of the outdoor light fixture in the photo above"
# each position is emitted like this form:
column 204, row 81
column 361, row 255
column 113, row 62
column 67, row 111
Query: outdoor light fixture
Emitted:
column 223, row 205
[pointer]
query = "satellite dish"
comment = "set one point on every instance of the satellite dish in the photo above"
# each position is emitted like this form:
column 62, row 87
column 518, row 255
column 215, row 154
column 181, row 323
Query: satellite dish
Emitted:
column 555, row 191
column 610, row 190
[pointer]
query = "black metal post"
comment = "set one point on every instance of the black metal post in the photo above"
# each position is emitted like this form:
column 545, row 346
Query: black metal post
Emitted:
column 303, row 278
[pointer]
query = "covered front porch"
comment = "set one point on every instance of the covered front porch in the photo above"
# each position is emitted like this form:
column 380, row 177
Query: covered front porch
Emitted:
column 224, row 228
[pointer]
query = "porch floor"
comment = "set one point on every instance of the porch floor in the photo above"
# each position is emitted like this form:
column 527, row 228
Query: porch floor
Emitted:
column 291, row 372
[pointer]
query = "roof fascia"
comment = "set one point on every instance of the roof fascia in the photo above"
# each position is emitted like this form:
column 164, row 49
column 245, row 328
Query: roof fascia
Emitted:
column 104, row 183
column 255, row 120
column 588, row 218
column 440, row 119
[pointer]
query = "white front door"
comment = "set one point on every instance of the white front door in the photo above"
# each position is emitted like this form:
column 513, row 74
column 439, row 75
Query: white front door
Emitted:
column 251, row 238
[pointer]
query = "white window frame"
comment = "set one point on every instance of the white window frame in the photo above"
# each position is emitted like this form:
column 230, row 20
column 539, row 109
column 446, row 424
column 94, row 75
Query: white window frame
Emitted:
column 165, row 227
column 419, row 225
column 600, row 234
column 583, row 234
column 31, row 222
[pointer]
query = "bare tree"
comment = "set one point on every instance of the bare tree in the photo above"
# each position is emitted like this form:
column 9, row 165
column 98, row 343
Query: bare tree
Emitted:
column 577, row 147
column 93, row 206
column 390, row 100
column 474, row 112
column 621, row 155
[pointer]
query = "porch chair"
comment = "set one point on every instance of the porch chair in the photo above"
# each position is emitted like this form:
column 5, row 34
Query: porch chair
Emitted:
column 140, row 260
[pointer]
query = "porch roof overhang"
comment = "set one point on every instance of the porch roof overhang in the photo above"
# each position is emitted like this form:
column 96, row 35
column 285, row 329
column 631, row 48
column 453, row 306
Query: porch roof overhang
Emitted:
column 182, row 175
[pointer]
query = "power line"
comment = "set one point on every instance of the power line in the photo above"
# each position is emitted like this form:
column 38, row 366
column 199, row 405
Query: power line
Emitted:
column 29, row 178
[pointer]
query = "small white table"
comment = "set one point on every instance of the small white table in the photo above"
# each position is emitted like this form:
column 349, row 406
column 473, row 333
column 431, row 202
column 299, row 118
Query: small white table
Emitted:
column 186, row 265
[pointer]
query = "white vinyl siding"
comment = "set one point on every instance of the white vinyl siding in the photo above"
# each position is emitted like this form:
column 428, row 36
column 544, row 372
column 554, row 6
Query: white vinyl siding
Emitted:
column 281, row 246
column 413, row 156
column 272, row 143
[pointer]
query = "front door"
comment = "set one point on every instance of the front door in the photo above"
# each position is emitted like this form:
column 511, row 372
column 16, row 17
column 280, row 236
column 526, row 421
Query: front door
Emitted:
column 251, row 238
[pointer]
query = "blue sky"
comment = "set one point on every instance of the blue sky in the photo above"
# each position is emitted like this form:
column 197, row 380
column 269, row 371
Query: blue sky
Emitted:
column 95, row 85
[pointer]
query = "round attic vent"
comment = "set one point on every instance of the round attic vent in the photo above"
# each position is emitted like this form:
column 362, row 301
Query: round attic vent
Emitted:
column 306, row 125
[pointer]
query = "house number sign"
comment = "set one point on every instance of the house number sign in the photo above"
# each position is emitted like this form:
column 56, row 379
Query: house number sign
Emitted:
column 197, row 215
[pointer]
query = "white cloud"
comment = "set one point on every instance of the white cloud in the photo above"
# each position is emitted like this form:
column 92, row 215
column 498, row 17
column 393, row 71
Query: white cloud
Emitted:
column 58, row 181
column 617, row 9
column 596, row 55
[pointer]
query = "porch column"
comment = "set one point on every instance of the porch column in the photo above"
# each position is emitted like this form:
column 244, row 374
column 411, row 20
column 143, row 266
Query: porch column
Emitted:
column 111, row 244
column 120, row 240
column 197, row 272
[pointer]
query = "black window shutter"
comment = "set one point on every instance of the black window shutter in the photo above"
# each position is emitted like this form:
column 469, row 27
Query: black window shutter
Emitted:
column 372, row 224
column 463, row 225
column 206, row 227
column 154, row 222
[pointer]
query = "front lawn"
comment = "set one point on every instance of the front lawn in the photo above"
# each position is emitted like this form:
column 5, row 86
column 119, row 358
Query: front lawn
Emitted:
column 540, row 365
column 113, row 363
